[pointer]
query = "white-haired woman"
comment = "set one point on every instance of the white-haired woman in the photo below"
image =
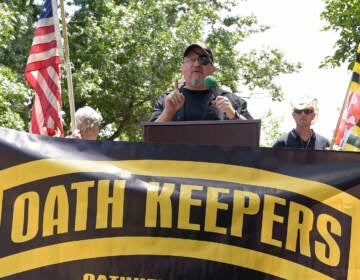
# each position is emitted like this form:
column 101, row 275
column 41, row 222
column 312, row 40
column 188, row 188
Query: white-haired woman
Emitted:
column 87, row 122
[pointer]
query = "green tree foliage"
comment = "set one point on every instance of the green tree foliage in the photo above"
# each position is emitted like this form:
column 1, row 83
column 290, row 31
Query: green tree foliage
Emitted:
column 124, row 54
column 127, row 53
column 14, row 94
column 270, row 129
column 344, row 18
column 14, row 97
column 7, row 24
column 18, row 18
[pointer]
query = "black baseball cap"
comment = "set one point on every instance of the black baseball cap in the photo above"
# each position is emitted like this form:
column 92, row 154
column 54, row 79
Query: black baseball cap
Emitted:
column 207, row 51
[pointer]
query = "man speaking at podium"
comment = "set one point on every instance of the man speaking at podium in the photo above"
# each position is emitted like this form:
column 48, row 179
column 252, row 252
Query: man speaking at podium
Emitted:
column 199, row 98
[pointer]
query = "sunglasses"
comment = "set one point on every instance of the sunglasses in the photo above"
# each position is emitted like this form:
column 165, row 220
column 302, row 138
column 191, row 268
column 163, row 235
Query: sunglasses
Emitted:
column 306, row 111
column 203, row 60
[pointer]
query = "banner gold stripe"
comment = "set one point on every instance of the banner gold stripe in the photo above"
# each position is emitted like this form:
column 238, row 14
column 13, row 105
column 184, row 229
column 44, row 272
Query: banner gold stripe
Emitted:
column 126, row 246
column 47, row 168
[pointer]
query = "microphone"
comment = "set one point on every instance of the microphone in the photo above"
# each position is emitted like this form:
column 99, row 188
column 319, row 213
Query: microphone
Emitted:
column 211, row 84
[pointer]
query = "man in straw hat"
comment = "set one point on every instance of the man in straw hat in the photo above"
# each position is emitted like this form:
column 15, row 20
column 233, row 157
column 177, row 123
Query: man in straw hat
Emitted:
column 304, row 112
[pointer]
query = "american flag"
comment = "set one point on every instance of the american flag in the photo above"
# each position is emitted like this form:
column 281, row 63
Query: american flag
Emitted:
column 43, row 73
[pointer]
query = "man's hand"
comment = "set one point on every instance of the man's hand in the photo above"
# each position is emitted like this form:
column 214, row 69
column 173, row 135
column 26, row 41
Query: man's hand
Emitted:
column 223, row 105
column 173, row 102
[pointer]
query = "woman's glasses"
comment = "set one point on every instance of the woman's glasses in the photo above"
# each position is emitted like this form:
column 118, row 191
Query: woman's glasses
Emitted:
column 306, row 111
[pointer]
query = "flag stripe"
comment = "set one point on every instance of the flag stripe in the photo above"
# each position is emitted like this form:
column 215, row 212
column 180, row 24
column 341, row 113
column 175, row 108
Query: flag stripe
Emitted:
column 353, row 142
column 46, row 108
column 42, row 55
column 44, row 85
column 43, row 63
column 44, row 30
column 49, row 86
column 43, row 39
column 37, row 116
column 43, row 73
column 357, row 65
column 44, row 22
column 44, row 47
column 355, row 78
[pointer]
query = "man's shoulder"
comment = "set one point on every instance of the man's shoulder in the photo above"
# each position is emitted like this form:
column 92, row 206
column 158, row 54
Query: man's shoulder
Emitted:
column 285, row 136
column 320, row 136
column 322, row 139
column 231, row 95
column 282, row 141
column 226, row 92
column 161, row 97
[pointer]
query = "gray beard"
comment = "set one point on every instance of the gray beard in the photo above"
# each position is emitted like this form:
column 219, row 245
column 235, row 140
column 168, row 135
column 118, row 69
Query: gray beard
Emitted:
column 196, row 82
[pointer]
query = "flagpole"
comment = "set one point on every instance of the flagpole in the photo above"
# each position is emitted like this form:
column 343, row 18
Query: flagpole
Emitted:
column 341, row 114
column 68, row 67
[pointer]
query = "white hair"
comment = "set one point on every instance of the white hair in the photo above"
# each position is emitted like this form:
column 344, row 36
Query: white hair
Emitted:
column 86, row 117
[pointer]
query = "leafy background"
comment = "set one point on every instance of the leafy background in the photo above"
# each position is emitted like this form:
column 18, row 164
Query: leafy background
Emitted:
column 126, row 53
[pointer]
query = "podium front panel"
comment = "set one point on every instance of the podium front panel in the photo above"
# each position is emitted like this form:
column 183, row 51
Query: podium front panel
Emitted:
column 244, row 133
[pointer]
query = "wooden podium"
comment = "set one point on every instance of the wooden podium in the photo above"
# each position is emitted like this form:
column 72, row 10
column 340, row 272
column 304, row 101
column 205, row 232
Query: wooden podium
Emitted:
column 244, row 133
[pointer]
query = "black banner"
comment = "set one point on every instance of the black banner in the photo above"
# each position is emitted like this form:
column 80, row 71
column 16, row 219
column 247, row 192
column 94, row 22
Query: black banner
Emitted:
column 96, row 210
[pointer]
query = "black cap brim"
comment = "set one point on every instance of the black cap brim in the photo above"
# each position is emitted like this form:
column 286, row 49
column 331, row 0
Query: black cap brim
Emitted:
column 207, row 51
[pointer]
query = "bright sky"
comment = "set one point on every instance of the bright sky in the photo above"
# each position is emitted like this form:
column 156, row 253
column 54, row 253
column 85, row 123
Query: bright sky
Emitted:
column 295, row 30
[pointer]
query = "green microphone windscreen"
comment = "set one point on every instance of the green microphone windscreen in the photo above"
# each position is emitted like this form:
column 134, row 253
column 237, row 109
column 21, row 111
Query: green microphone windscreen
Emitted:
column 210, row 82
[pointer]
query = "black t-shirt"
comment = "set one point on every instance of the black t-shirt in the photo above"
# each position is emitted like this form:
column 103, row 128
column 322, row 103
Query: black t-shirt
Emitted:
column 198, row 106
